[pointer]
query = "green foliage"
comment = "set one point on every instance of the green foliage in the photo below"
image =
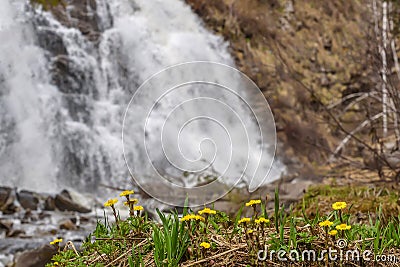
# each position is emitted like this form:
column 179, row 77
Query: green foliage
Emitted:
column 276, row 202
column 135, row 260
column 170, row 241
column 237, row 218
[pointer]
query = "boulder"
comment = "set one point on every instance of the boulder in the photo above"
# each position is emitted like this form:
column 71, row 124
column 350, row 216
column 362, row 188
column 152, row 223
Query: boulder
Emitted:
column 7, row 200
column 65, row 203
column 49, row 204
column 28, row 200
column 6, row 226
column 294, row 190
column 66, row 193
column 43, row 215
column 29, row 216
column 51, row 41
column 5, row 193
column 68, row 225
column 15, row 233
column 36, row 258
column 10, row 209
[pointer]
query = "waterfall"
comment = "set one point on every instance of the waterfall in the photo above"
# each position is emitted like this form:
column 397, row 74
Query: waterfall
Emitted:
column 65, row 85
column 28, row 104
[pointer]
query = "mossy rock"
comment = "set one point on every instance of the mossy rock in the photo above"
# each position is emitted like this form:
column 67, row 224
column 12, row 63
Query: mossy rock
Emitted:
column 48, row 4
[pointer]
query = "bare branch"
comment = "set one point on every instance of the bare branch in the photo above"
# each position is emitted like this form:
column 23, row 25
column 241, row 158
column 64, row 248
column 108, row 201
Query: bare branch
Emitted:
column 348, row 97
column 352, row 133
column 384, row 67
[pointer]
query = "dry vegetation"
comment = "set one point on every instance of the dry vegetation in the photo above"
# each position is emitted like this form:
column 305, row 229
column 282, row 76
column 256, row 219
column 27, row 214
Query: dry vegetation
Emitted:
column 212, row 238
column 329, row 71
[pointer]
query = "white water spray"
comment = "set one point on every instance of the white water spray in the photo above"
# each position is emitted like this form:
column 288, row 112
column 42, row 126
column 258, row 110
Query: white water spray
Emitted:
column 65, row 130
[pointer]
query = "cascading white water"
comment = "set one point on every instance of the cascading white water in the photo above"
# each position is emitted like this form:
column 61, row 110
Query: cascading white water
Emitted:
column 64, row 129
column 28, row 104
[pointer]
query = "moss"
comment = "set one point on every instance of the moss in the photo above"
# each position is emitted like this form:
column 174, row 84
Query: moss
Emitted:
column 48, row 4
column 363, row 198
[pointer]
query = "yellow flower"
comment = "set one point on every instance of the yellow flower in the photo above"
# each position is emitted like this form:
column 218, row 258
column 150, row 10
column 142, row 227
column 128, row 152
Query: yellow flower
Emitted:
column 205, row 245
column 198, row 217
column 244, row 220
column 136, row 208
column 131, row 202
column 250, row 231
column 126, row 193
column 343, row 227
column 56, row 263
column 110, row 202
column 325, row 223
column 189, row 217
column 261, row 220
column 253, row 202
column 56, row 241
column 332, row 232
column 207, row 211
column 339, row 205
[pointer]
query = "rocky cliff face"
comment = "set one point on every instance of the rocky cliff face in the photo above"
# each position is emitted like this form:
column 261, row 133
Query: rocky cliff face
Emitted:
column 302, row 54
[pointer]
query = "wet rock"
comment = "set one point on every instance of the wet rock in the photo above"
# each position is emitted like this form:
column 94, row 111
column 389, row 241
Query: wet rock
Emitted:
column 6, row 224
column 49, row 204
column 84, row 220
column 10, row 209
column 36, row 258
column 79, row 15
column 43, row 215
column 93, row 36
column 5, row 193
column 68, row 225
column 28, row 200
column 29, row 216
column 65, row 203
column 294, row 190
column 7, row 197
column 15, row 233
column 51, row 232
column 66, row 194
column 77, row 220
column 51, row 41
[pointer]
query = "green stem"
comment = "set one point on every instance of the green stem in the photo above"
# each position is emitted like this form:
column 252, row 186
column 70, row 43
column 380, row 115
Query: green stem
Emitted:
column 115, row 216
